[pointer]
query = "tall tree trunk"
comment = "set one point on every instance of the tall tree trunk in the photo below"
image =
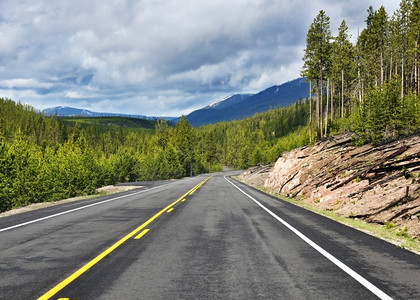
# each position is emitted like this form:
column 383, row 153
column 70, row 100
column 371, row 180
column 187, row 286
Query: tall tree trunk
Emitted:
column 390, row 68
column 339, row 103
column 418, row 72
column 402, row 77
column 382, row 68
column 416, row 56
column 363, row 91
column 310, row 112
column 317, row 111
column 342, row 92
column 321, row 113
column 332, row 102
column 416, row 75
column 411, row 82
column 359, row 84
column 326, row 108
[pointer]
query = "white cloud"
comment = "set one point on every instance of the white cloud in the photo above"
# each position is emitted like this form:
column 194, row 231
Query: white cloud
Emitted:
column 24, row 83
column 156, row 57
column 75, row 95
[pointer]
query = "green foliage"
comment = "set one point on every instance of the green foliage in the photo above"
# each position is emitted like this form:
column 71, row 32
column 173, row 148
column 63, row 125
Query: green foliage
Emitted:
column 184, row 141
column 403, row 232
column 373, row 86
column 384, row 115
column 46, row 159
column 257, row 139
column 389, row 225
column 318, row 47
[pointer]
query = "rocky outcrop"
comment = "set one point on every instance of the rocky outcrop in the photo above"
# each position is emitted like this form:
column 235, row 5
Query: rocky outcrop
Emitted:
column 376, row 183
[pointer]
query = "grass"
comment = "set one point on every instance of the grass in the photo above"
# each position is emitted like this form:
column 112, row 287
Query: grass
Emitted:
column 388, row 232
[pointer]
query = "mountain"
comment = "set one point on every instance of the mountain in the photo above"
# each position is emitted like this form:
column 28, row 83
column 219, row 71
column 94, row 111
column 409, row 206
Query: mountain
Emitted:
column 209, row 113
column 233, row 107
column 228, row 101
column 240, row 106
column 65, row 111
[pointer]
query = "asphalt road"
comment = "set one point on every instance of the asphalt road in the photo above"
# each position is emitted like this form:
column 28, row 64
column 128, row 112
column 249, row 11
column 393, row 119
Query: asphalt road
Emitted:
column 224, row 241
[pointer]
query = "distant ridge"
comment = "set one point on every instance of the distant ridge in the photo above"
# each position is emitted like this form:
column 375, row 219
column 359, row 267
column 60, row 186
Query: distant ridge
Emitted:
column 65, row 111
column 240, row 106
column 233, row 107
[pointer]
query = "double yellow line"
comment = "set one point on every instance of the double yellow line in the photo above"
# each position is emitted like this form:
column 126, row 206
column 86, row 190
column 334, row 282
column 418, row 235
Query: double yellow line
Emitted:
column 98, row 258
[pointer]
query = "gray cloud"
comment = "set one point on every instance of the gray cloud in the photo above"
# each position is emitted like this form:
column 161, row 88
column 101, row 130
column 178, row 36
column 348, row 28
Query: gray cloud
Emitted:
column 156, row 57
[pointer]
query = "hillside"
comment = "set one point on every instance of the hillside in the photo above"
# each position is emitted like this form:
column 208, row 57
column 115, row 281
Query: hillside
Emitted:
column 240, row 106
column 378, row 184
column 233, row 107
column 208, row 114
column 51, row 158
column 65, row 111
column 110, row 122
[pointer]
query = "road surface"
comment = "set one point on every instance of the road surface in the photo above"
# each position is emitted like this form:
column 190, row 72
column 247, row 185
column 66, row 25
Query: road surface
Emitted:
column 196, row 238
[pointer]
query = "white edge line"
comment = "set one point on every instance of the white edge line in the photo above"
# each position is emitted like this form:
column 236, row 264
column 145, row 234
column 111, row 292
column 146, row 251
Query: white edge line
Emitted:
column 79, row 208
column 338, row 263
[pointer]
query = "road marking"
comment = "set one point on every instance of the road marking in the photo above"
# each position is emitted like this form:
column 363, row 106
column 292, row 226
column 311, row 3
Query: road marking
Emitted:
column 197, row 187
column 82, row 207
column 338, row 263
column 183, row 200
column 94, row 261
column 139, row 236
column 192, row 192
column 169, row 210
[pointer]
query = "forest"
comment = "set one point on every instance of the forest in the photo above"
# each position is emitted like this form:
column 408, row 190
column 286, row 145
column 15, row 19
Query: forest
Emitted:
column 50, row 158
column 370, row 88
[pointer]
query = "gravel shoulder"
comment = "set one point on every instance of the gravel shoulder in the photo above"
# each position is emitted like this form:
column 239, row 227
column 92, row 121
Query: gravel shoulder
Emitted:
column 106, row 190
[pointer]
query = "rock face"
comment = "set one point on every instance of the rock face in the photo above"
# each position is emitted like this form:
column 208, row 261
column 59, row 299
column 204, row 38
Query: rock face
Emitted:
column 376, row 183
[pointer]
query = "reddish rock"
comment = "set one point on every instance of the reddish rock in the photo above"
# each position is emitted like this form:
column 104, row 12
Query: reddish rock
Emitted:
column 376, row 183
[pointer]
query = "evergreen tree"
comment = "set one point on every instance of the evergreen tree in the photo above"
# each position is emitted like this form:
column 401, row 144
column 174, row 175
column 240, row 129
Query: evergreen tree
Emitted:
column 317, row 60
column 342, row 58
column 184, row 143
column 414, row 26
column 174, row 166
column 400, row 39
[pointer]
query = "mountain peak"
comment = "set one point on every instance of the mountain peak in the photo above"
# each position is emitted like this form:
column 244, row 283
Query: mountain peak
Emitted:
column 239, row 106
column 228, row 101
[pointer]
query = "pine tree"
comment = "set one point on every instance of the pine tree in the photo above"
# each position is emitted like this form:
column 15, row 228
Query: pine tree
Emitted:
column 184, row 143
column 414, row 27
column 372, row 44
column 174, row 166
column 342, row 58
column 317, row 60
column 400, row 38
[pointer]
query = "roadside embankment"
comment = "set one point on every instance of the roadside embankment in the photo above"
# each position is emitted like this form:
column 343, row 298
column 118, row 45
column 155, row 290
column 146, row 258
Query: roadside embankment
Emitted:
column 378, row 184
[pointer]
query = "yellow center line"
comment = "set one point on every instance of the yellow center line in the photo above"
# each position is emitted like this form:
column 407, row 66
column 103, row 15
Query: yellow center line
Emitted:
column 195, row 188
column 169, row 210
column 141, row 234
column 94, row 261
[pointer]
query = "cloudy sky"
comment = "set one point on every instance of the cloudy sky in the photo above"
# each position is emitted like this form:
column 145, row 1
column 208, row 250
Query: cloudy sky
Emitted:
column 157, row 57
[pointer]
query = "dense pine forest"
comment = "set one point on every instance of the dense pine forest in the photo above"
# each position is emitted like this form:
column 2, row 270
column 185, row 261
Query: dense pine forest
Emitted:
column 370, row 88
column 49, row 158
